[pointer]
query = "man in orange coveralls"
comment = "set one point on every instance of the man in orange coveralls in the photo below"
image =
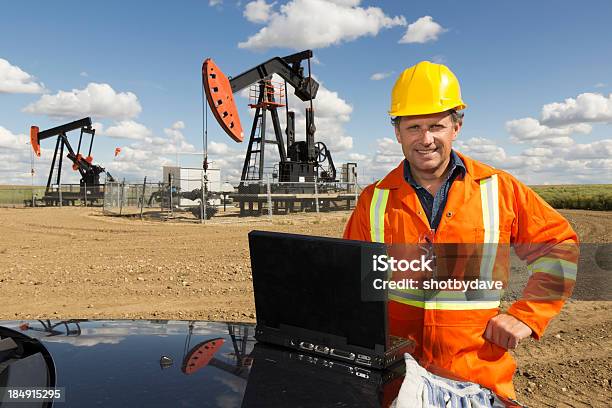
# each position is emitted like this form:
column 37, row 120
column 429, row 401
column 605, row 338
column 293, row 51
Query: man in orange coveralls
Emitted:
column 442, row 196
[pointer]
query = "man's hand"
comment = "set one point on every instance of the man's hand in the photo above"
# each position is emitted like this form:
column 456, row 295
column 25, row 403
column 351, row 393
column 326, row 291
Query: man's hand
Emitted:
column 506, row 331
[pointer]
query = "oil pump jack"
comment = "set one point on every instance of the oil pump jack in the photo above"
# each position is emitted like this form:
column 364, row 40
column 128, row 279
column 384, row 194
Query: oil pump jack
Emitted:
column 300, row 161
column 90, row 186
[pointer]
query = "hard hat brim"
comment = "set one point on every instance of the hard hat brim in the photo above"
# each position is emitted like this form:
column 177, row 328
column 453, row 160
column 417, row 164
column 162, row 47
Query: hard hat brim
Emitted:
column 425, row 110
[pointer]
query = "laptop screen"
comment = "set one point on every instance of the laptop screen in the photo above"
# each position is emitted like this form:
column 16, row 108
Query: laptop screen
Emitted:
column 314, row 283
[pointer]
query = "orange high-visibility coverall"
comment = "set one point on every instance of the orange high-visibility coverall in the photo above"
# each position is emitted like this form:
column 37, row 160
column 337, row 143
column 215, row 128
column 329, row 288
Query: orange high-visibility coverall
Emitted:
column 453, row 339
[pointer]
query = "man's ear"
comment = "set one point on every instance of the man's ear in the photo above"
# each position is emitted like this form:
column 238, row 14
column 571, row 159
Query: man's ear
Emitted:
column 397, row 133
column 456, row 129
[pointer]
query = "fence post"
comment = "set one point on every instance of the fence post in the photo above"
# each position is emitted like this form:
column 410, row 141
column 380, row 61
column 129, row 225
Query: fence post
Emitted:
column 142, row 198
column 355, row 189
column 202, row 211
column 269, row 194
column 160, row 189
column 85, row 192
column 59, row 189
column 316, row 194
column 170, row 185
column 121, row 196
column 205, row 195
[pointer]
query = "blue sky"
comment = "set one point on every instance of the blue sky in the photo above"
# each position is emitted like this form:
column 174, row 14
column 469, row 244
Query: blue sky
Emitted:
column 536, row 77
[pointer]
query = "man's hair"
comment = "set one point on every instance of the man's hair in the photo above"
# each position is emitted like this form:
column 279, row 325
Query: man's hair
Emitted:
column 456, row 116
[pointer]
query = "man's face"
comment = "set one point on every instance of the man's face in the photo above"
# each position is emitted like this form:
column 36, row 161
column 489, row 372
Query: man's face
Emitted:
column 427, row 140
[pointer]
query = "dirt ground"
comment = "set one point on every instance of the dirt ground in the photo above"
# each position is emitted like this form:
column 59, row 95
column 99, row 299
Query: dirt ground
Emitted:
column 63, row 263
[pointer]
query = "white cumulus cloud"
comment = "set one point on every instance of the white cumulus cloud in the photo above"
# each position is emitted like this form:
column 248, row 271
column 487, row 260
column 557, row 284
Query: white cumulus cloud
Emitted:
column 16, row 159
column 601, row 149
column 127, row 129
column 217, row 148
column 424, row 30
column 586, row 107
column 357, row 156
column 258, row 11
column 483, row 149
column 582, row 163
column 378, row 76
column 531, row 129
column 538, row 152
column 562, row 141
column 15, row 80
column 97, row 100
column 301, row 24
column 179, row 124
column 9, row 140
column 177, row 140
column 388, row 155
column 146, row 156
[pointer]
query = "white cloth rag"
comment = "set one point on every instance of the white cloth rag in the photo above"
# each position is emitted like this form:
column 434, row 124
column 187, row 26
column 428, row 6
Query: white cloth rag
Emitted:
column 422, row 389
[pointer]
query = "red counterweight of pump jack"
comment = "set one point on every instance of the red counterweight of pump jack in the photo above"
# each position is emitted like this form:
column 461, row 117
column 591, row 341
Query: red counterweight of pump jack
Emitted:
column 34, row 140
column 221, row 99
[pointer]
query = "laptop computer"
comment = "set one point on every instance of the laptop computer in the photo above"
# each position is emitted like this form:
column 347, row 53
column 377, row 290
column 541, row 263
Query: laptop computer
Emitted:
column 308, row 296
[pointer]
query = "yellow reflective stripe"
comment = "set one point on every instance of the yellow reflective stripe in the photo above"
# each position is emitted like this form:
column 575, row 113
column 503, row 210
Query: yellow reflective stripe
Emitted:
column 378, row 206
column 449, row 305
column 489, row 196
column 375, row 198
column 554, row 266
column 448, row 295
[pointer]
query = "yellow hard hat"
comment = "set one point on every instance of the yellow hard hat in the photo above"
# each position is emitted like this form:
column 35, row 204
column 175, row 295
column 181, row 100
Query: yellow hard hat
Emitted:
column 425, row 88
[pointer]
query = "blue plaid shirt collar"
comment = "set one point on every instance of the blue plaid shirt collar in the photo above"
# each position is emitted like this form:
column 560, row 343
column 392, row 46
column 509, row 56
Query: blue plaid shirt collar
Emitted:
column 455, row 162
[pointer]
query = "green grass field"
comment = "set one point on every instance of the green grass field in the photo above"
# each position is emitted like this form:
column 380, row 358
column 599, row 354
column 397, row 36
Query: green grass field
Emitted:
column 15, row 195
column 577, row 196
column 570, row 196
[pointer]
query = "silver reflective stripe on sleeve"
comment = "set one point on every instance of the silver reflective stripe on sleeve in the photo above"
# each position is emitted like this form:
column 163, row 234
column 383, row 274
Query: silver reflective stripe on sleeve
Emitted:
column 554, row 266
column 489, row 197
column 378, row 206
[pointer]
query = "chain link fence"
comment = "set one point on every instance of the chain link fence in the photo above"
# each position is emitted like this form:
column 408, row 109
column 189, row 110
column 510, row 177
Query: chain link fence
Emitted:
column 121, row 198
column 263, row 199
column 158, row 200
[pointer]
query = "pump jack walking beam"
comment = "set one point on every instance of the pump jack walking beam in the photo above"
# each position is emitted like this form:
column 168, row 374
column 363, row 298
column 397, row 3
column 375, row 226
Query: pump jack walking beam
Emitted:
column 220, row 90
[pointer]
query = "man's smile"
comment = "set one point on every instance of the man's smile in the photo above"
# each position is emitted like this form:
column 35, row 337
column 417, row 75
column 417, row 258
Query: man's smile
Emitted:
column 426, row 152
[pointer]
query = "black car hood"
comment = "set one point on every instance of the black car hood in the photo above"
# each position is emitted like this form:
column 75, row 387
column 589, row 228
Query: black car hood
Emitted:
column 140, row 363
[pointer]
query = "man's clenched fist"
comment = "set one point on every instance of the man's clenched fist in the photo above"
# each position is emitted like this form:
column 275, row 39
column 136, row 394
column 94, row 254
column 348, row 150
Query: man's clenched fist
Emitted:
column 506, row 331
